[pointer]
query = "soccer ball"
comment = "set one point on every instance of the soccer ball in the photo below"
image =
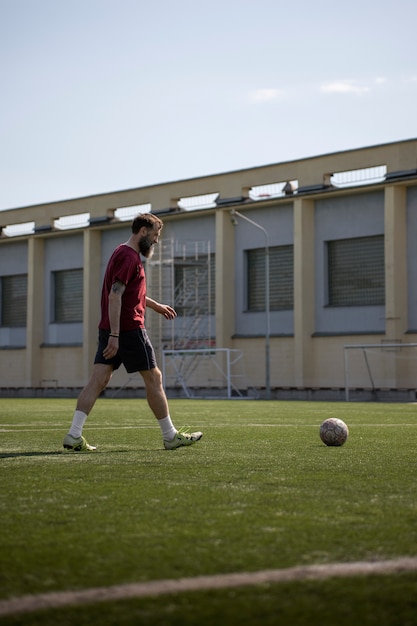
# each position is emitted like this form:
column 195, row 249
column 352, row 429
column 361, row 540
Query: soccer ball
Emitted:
column 334, row 432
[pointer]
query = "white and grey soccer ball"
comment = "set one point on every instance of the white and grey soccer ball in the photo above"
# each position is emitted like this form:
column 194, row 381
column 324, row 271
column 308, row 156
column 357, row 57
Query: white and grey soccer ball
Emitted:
column 334, row 432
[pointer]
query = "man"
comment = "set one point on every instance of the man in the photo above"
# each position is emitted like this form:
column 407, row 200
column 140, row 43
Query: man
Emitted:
column 123, row 338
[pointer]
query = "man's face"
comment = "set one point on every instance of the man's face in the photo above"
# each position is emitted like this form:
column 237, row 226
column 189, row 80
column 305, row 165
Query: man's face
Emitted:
column 148, row 241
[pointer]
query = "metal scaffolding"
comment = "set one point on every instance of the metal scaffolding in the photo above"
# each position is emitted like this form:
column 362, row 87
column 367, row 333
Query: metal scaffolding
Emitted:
column 180, row 274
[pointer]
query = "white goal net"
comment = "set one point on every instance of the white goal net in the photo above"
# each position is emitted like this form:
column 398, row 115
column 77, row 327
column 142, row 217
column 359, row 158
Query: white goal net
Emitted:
column 376, row 367
column 206, row 373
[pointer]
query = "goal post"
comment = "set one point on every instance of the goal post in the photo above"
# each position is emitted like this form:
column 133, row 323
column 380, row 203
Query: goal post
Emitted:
column 377, row 366
column 206, row 372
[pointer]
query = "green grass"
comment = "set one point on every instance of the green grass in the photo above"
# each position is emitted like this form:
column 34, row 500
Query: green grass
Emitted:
column 260, row 491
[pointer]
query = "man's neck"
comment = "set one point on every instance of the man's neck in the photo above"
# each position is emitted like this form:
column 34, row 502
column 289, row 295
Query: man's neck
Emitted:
column 132, row 243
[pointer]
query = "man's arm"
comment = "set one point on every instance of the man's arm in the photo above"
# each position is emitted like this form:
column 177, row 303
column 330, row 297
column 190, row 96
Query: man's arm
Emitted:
column 164, row 309
column 115, row 308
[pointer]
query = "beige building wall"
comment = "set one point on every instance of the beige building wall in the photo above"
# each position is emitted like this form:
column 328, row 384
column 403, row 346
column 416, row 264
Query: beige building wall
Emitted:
column 302, row 360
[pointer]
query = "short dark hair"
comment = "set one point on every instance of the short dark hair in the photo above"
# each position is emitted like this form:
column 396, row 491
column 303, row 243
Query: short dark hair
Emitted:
column 147, row 220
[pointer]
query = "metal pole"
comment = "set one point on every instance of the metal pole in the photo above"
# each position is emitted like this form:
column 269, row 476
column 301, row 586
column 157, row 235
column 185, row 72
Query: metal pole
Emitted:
column 346, row 376
column 235, row 213
column 229, row 373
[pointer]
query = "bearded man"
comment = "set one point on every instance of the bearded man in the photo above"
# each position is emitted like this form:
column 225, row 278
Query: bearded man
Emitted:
column 123, row 338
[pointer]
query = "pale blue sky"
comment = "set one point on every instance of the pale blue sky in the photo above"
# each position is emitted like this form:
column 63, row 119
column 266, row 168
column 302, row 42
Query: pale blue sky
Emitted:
column 105, row 95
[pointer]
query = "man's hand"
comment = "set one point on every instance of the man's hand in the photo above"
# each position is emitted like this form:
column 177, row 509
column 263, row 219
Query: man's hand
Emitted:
column 164, row 309
column 167, row 311
column 112, row 347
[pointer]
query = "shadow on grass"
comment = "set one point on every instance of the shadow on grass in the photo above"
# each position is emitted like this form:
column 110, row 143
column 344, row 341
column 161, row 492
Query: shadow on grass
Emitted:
column 15, row 455
column 12, row 455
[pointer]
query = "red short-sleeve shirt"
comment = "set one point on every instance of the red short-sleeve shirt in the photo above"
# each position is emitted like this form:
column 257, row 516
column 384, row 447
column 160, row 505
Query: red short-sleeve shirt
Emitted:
column 125, row 265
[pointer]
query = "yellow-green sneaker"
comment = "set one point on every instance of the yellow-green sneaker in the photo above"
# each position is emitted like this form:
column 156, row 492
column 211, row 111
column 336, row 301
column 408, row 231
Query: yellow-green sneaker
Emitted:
column 77, row 444
column 182, row 438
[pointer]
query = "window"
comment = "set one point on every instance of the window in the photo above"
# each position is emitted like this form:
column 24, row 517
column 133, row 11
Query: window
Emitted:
column 281, row 278
column 356, row 271
column 195, row 285
column 68, row 296
column 14, row 291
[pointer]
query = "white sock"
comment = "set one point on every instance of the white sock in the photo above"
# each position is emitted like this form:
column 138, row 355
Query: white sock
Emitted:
column 167, row 427
column 77, row 424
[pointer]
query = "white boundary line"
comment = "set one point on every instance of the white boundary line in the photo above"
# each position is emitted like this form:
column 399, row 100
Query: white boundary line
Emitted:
column 54, row 600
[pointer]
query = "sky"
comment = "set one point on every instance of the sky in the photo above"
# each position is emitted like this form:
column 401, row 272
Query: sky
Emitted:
column 106, row 95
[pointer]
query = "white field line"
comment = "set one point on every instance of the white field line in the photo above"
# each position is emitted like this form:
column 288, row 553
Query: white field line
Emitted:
column 54, row 600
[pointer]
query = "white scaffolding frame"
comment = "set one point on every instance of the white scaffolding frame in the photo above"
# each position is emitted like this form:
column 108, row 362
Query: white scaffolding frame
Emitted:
column 190, row 294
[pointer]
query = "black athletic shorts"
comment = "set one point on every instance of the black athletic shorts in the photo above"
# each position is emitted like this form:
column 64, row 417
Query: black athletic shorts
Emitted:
column 135, row 351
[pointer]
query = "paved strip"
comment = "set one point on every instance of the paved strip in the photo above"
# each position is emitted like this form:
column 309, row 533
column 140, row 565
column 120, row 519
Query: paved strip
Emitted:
column 54, row 600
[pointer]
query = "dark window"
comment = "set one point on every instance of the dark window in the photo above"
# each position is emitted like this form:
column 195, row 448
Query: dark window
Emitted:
column 14, row 291
column 356, row 271
column 68, row 296
column 281, row 278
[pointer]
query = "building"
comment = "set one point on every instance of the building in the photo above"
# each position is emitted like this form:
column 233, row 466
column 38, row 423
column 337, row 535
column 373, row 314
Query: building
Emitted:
column 335, row 234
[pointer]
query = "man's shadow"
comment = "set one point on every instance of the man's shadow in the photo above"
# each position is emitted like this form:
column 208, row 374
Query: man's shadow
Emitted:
column 13, row 455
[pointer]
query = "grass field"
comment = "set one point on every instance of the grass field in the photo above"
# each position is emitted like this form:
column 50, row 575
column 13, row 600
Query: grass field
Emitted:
column 259, row 492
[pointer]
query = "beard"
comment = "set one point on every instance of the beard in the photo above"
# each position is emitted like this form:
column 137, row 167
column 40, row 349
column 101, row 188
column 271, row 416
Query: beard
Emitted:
column 146, row 247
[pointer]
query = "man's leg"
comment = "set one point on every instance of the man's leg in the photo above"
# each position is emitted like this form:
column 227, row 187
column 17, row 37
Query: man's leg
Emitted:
column 155, row 393
column 157, row 400
column 99, row 380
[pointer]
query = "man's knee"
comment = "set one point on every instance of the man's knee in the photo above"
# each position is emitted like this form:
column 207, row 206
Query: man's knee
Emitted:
column 152, row 377
column 101, row 376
